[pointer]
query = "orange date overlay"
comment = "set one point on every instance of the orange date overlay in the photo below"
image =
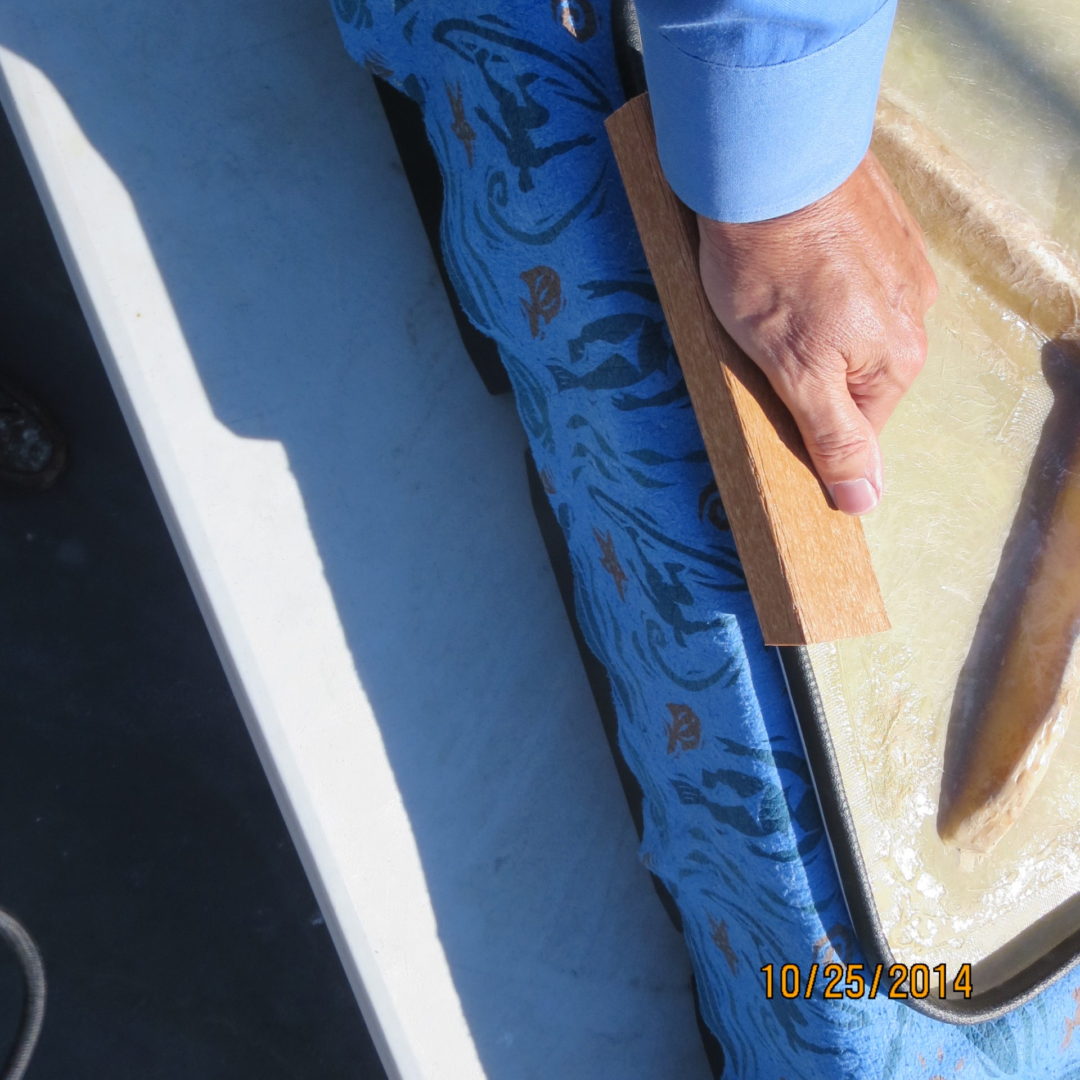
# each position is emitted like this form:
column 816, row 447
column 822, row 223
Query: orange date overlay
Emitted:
column 837, row 981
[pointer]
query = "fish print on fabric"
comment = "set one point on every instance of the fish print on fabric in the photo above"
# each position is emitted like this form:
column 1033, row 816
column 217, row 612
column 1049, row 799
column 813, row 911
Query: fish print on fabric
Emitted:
column 545, row 300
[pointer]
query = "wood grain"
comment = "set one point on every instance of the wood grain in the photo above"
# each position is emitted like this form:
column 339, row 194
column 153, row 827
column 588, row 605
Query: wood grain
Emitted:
column 806, row 564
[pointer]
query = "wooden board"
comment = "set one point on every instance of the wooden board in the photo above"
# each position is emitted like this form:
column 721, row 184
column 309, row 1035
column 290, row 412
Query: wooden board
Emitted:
column 807, row 564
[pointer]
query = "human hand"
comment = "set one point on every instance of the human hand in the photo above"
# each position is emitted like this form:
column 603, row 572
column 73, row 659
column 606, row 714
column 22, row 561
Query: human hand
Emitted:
column 829, row 302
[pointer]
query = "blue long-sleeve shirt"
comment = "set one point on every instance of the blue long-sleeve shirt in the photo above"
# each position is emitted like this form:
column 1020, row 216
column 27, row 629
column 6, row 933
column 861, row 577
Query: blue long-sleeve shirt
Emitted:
column 762, row 106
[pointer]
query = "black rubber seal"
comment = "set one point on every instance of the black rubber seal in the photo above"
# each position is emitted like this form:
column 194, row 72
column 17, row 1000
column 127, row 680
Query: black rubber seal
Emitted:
column 1030, row 980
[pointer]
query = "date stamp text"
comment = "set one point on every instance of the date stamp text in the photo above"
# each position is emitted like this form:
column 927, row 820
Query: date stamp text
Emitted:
column 837, row 981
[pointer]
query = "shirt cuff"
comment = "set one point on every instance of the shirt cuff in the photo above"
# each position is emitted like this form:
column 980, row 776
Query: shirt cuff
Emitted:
column 749, row 143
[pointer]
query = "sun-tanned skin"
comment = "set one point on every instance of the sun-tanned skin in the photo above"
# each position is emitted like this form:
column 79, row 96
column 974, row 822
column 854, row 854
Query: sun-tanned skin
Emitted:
column 829, row 301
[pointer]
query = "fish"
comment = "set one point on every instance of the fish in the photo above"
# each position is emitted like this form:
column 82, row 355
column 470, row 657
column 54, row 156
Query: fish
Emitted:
column 684, row 731
column 1019, row 722
column 545, row 296
column 641, row 335
column 461, row 128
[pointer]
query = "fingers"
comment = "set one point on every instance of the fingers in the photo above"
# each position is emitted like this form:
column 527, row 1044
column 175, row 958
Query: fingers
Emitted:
column 840, row 439
column 878, row 396
column 879, row 403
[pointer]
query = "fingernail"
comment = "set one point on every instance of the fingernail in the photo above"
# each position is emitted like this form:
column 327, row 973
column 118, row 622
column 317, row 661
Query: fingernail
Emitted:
column 854, row 496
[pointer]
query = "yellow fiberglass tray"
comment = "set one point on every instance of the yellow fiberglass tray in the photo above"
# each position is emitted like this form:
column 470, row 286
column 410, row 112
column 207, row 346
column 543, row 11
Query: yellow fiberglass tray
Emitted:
column 992, row 422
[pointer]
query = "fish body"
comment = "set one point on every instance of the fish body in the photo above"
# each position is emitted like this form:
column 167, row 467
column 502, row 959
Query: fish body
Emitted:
column 1023, row 718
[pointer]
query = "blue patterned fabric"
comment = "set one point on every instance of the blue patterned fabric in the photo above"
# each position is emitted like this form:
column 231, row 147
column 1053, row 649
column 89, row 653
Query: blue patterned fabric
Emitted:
column 542, row 249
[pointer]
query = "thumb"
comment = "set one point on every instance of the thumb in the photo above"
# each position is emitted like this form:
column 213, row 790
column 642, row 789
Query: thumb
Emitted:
column 841, row 442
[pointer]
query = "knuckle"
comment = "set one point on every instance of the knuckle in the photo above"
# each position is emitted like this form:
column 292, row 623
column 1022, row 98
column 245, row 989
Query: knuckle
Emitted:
column 911, row 354
column 837, row 444
column 909, row 362
column 931, row 289
column 812, row 369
